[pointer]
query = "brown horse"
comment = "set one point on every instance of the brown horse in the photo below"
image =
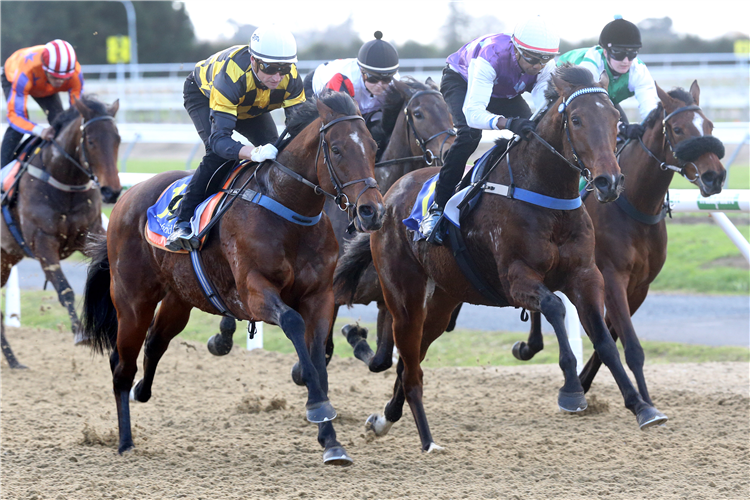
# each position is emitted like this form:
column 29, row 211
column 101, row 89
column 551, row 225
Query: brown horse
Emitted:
column 58, row 198
column 523, row 251
column 264, row 267
column 421, row 130
column 631, row 236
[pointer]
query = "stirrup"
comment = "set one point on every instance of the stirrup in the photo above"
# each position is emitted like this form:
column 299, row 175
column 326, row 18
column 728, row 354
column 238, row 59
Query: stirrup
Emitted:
column 430, row 226
column 182, row 238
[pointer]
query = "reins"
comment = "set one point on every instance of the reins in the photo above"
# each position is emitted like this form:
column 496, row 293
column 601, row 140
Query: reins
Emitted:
column 427, row 155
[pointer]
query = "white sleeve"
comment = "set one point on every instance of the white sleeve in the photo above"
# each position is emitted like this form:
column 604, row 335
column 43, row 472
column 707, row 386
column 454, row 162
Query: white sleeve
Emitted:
column 642, row 84
column 543, row 81
column 481, row 80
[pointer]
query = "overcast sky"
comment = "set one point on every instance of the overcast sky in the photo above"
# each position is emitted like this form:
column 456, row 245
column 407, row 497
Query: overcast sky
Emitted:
column 421, row 20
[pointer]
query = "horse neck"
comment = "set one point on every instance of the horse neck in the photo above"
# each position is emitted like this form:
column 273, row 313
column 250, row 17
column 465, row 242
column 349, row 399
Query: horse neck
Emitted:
column 60, row 167
column 646, row 184
column 299, row 156
column 535, row 168
column 401, row 144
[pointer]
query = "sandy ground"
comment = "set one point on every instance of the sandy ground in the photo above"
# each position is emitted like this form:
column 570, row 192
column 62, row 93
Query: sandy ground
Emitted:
column 234, row 427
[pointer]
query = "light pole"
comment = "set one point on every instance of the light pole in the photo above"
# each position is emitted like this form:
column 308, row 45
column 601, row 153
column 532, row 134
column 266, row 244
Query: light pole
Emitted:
column 133, row 38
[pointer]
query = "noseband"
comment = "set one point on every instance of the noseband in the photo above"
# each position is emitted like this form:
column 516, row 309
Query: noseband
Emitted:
column 687, row 151
column 427, row 155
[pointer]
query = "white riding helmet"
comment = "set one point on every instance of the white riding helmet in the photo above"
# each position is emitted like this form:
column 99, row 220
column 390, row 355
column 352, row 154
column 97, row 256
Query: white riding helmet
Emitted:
column 273, row 44
column 533, row 35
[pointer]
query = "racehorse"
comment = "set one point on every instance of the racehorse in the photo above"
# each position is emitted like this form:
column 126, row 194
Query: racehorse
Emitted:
column 57, row 198
column 524, row 251
column 420, row 128
column 631, row 235
column 264, row 267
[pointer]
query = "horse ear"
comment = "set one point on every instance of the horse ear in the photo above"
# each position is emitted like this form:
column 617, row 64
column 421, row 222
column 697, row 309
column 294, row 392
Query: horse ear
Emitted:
column 326, row 113
column 431, row 83
column 112, row 110
column 695, row 91
column 563, row 88
column 84, row 110
column 604, row 80
column 403, row 89
column 663, row 96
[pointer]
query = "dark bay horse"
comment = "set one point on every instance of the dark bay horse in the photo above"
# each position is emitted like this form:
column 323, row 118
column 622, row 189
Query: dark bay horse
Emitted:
column 631, row 236
column 420, row 127
column 264, row 267
column 524, row 251
column 58, row 200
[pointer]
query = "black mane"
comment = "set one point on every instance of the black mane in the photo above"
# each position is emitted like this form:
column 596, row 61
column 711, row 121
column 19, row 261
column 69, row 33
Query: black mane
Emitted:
column 304, row 114
column 72, row 113
column 574, row 75
column 394, row 102
column 657, row 113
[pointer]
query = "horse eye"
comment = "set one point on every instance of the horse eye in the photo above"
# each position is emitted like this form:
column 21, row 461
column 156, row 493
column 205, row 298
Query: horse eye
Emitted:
column 418, row 114
column 678, row 130
column 575, row 121
column 335, row 150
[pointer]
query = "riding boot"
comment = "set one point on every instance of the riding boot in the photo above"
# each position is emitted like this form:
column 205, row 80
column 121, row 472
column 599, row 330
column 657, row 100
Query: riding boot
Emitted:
column 182, row 237
column 430, row 226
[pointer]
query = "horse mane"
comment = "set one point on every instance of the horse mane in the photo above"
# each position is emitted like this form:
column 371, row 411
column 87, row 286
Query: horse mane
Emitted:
column 394, row 102
column 574, row 75
column 72, row 113
column 657, row 113
column 304, row 114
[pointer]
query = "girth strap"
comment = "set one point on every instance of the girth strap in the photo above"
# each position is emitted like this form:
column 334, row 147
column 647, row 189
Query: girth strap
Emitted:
column 16, row 231
column 205, row 283
column 469, row 270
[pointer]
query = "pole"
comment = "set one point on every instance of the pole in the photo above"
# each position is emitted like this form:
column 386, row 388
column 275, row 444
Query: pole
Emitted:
column 130, row 10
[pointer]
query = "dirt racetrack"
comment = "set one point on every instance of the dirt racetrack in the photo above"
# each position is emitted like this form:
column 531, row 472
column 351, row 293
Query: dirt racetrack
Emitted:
column 234, row 427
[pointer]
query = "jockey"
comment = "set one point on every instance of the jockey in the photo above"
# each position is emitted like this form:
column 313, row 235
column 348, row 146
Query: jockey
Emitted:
column 365, row 78
column 482, row 84
column 41, row 72
column 628, row 76
column 235, row 90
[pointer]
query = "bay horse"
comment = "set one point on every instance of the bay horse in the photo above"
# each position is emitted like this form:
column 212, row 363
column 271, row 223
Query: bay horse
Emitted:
column 420, row 129
column 264, row 267
column 57, row 200
column 523, row 251
column 631, row 235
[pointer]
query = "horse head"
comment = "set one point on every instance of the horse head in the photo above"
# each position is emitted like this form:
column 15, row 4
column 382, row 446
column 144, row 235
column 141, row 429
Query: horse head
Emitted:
column 587, row 117
column 99, row 144
column 687, row 133
column 347, row 162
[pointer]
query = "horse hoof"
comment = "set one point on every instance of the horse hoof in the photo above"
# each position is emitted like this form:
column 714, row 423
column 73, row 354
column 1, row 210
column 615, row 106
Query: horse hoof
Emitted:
column 17, row 366
column 126, row 447
column 297, row 375
column 354, row 333
column 649, row 417
column 572, row 402
column 320, row 412
column 378, row 424
column 516, row 350
column 434, row 448
column 218, row 346
column 336, row 456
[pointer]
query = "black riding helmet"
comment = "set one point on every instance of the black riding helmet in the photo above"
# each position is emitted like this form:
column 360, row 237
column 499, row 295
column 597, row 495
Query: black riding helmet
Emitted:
column 620, row 33
column 378, row 57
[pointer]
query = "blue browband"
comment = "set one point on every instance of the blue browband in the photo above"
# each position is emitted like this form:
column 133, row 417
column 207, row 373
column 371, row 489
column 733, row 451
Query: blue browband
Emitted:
column 578, row 93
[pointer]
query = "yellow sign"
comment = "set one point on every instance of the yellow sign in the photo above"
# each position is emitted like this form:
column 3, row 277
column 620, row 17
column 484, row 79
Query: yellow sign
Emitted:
column 118, row 49
column 742, row 47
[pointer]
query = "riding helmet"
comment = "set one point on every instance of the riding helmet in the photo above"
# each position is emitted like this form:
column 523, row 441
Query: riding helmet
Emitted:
column 273, row 44
column 378, row 56
column 620, row 33
column 534, row 35
column 59, row 59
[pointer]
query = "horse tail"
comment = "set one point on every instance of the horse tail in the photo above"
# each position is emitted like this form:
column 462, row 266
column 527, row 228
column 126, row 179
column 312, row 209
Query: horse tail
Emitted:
column 99, row 319
column 352, row 264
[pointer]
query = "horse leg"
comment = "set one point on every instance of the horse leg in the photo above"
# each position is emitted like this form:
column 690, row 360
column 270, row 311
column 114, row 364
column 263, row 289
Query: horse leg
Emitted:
column 525, row 351
column 383, row 358
column 454, row 317
column 8, row 261
column 221, row 343
column 48, row 258
column 587, row 297
column 170, row 320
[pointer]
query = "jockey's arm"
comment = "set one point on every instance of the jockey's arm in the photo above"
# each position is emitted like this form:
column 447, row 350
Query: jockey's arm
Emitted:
column 643, row 86
column 18, row 116
column 481, row 80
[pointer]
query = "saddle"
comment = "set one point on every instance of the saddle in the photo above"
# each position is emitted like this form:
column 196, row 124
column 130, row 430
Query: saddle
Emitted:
column 11, row 173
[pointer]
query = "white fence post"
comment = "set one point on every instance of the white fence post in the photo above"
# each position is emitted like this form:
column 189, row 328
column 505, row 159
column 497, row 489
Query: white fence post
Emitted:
column 13, row 299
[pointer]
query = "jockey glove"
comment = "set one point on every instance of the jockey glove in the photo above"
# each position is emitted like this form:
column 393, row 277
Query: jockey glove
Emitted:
column 631, row 130
column 521, row 127
column 263, row 153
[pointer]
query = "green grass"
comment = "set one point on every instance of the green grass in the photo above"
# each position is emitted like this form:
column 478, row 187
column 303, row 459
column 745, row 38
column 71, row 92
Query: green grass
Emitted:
column 40, row 309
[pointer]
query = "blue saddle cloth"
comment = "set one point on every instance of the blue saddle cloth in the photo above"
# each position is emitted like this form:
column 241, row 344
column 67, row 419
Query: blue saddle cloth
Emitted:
column 160, row 218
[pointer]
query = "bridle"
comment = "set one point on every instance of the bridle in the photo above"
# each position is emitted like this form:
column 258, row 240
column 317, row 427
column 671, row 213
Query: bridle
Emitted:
column 340, row 198
column 563, row 109
column 84, row 165
column 427, row 155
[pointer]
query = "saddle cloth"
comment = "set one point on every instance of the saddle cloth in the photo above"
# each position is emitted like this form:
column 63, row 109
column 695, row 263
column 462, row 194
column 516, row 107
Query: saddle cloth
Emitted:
column 160, row 221
column 9, row 172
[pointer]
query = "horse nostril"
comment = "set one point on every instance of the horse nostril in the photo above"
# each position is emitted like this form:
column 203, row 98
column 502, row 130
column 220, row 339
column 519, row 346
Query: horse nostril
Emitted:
column 602, row 183
column 366, row 211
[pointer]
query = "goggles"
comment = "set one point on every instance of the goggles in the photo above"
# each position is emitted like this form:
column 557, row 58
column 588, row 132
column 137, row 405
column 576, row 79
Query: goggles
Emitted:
column 377, row 78
column 618, row 54
column 274, row 68
column 536, row 58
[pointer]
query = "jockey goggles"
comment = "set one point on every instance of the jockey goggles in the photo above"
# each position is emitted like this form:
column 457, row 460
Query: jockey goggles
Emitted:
column 274, row 68
column 377, row 78
column 618, row 54
column 535, row 59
